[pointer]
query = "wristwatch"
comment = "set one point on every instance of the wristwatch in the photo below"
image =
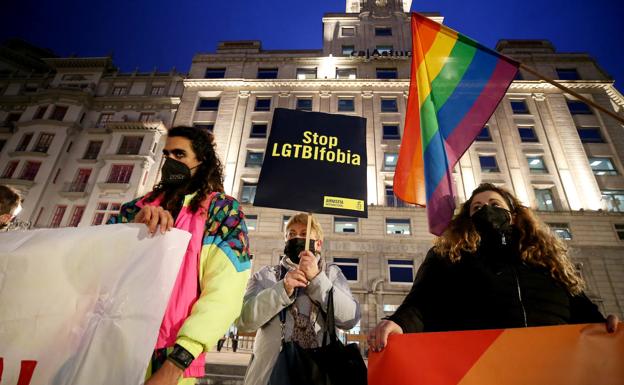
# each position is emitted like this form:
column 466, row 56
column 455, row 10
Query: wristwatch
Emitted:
column 180, row 357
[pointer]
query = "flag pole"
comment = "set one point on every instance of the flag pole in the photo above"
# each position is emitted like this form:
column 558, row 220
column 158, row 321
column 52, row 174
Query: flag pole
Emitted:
column 573, row 93
column 309, row 228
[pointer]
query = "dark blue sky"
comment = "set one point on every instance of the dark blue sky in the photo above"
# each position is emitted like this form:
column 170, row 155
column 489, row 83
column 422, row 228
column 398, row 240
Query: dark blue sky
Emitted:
column 164, row 34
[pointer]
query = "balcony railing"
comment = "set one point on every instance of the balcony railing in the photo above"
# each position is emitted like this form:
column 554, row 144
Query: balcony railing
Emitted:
column 76, row 187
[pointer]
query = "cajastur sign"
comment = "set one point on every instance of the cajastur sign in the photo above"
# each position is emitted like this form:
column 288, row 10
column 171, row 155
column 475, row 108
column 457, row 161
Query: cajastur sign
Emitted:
column 383, row 54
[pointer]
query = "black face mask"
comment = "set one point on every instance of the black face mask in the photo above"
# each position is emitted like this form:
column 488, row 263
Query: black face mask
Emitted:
column 295, row 246
column 174, row 172
column 492, row 222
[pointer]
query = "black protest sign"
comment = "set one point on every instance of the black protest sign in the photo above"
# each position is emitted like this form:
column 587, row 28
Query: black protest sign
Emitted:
column 315, row 162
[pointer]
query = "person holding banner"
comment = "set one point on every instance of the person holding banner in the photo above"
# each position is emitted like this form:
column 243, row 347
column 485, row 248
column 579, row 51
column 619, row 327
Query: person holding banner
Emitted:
column 208, row 292
column 495, row 266
column 10, row 207
column 299, row 285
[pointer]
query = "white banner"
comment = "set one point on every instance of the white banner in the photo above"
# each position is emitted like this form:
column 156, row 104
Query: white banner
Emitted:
column 83, row 305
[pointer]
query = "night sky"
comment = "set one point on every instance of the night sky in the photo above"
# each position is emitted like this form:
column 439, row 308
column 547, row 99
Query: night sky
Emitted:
column 163, row 34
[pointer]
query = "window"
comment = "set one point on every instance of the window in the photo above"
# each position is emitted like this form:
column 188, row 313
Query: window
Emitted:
column 590, row 134
column 104, row 211
column 544, row 199
column 389, row 105
column 157, row 90
column 259, row 130
column 204, row 126
column 401, row 271
column 619, row 230
column 349, row 267
column 484, row 135
column 390, row 308
column 40, row 112
column 537, row 165
column 120, row 91
column 58, row 113
column 347, row 50
column 306, row 73
column 263, row 104
column 254, row 159
column 488, row 163
column 30, row 170
column 392, row 200
column 79, row 184
column 43, row 143
column 383, row 31
column 59, row 212
column 527, row 134
column 304, row 104
column 384, row 48
column 346, row 104
column 567, row 74
column 248, row 192
column 345, row 225
column 208, row 105
column 614, row 200
column 391, row 131
column 130, row 145
column 387, row 73
column 146, row 117
column 24, row 142
column 12, row 119
column 251, row 221
column 390, row 161
column 93, row 149
column 267, row 73
column 346, row 73
column 120, row 173
column 2, row 144
column 602, row 166
column 9, row 170
column 76, row 216
column 519, row 76
column 398, row 226
column 285, row 220
column 104, row 119
column 214, row 73
column 519, row 107
column 562, row 230
column 578, row 108
column 347, row 31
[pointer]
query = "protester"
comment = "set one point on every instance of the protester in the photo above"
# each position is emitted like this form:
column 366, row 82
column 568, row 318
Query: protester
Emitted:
column 495, row 266
column 300, row 284
column 10, row 207
column 207, row 296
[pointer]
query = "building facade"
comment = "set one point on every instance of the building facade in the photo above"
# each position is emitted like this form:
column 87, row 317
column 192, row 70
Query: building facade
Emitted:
column 78, row 137
column 559, row 156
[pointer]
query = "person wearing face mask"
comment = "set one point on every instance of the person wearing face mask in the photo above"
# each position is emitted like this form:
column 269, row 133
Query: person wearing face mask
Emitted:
column 300, row 285
column 10, row 207
column 495, row 266
column 208, row 292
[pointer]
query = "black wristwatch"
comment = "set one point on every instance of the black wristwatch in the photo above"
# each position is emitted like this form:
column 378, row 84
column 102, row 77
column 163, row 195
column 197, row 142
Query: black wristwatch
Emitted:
column 180, row 357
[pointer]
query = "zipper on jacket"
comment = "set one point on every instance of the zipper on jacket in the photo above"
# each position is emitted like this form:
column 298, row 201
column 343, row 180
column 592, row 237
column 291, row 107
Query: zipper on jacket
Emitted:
column 515, row 272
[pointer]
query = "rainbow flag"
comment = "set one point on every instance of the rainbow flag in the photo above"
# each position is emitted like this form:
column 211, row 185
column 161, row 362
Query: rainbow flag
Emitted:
column 456, row 83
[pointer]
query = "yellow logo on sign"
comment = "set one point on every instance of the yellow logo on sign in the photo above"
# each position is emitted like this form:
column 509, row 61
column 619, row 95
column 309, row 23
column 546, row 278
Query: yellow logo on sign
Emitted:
column 343, row 203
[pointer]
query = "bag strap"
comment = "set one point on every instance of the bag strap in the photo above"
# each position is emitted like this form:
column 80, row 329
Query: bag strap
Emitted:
column 330, row 320
column 282, row 313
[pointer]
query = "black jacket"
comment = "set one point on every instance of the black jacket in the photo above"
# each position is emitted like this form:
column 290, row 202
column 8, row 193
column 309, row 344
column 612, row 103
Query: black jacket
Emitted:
column 488, row 290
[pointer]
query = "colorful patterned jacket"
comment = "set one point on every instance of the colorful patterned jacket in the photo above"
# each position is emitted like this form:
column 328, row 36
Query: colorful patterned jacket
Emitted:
column 214, row 271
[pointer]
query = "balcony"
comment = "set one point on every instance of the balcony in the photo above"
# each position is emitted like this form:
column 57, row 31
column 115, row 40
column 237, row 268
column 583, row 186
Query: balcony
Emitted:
column 76, row 189
column 112, row 186
column 128, row 125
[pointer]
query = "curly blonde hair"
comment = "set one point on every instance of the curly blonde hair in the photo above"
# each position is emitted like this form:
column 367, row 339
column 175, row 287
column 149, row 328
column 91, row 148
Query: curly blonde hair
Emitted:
column 537, row 244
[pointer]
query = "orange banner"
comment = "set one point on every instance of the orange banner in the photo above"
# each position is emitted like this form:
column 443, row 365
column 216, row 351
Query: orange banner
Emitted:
column 550, row 355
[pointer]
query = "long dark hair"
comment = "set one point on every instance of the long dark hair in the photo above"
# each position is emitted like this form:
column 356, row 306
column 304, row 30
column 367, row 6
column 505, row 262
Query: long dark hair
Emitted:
column 208, row 176
column 538, row 245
